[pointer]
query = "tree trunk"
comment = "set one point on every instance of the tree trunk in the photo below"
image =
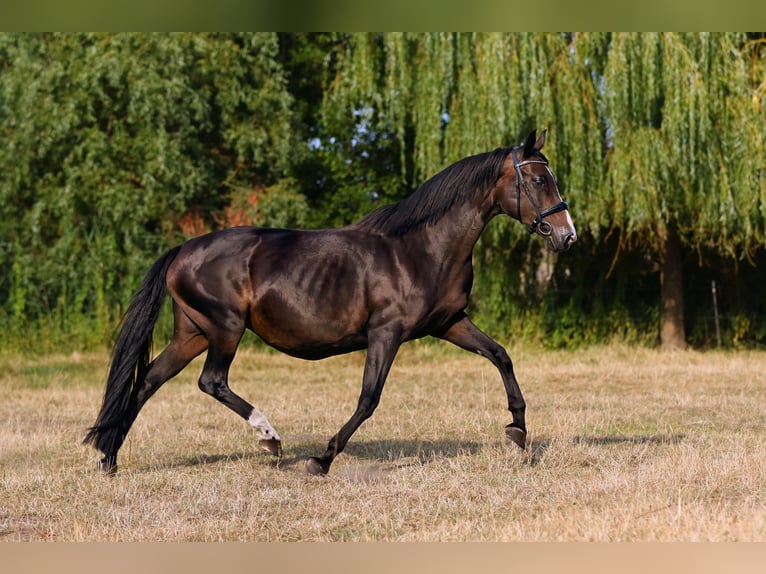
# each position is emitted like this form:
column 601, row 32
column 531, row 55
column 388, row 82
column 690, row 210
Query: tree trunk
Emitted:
column 672, row 332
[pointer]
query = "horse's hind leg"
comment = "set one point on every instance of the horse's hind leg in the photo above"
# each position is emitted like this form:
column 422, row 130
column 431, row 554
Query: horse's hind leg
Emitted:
column 214, row 381
column 186, row 344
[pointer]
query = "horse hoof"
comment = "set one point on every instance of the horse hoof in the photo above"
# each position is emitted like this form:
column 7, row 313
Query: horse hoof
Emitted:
column 107, row 467
column 517, row 436
column 315, row 467
column 272, row 445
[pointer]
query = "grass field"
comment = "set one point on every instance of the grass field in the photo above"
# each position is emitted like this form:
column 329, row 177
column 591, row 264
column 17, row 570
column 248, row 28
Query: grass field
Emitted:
column 626, row 444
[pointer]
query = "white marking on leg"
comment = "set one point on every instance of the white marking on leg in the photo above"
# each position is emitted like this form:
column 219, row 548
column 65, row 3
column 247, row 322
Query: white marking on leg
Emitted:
column 259, row 421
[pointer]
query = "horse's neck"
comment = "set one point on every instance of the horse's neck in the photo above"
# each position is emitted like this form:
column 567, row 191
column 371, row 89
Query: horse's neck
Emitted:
column 458, row 231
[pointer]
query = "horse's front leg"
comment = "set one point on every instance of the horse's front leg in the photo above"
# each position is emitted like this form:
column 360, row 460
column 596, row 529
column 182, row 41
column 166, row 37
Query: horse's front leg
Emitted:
column 468, row 336
column 382, row 347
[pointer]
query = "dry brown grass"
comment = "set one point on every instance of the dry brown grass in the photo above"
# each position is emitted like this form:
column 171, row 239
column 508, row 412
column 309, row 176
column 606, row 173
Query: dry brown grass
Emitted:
column 626, row 445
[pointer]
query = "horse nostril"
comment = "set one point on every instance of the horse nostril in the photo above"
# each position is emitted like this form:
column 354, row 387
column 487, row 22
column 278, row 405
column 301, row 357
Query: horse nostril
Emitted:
column 569, row 240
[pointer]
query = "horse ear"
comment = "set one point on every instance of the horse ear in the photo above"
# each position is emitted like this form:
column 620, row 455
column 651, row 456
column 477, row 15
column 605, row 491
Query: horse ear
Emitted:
column 531, row 144
column 540, row 141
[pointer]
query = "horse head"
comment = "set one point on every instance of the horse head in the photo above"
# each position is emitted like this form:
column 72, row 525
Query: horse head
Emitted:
column 528, row 192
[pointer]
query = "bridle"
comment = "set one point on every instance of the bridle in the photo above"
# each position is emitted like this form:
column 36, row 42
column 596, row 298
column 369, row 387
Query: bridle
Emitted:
column 538, row 225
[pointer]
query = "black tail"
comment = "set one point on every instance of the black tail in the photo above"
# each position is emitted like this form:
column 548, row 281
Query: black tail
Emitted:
column 130, row 358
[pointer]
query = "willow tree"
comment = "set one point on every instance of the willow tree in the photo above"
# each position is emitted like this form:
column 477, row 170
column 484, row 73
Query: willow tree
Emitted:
column 685, row 166
column 655, row 138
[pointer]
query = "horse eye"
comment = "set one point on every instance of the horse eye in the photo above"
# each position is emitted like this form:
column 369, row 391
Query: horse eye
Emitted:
column 539, row 180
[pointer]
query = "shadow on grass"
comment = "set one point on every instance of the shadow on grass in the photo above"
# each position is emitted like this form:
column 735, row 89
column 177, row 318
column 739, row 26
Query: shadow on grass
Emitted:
column 415, row 451
column 399, row 453
column 537, row 448
column 656, row 439
column 384, row 455
column 393, row 453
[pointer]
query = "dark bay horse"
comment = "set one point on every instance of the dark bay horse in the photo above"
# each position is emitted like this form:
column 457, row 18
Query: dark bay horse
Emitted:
column 402, row 272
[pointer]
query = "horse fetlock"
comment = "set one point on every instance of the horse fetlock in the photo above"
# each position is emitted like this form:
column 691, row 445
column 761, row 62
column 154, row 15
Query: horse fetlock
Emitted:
column 259, row 422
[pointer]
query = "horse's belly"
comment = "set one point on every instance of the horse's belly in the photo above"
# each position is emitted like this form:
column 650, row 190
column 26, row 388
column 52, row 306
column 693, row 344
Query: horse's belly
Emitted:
column 308, row 329
column 321, row 350
column 306, row 343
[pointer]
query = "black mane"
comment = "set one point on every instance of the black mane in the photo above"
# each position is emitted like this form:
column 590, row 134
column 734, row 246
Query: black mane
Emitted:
column 453, row 186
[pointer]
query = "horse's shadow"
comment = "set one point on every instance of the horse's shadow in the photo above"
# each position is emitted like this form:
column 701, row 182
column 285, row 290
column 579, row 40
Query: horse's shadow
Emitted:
column 537, row 448
column 386, row 453
column 396, row 452
column 654, row 439
column 390, row 454
column 406, row 452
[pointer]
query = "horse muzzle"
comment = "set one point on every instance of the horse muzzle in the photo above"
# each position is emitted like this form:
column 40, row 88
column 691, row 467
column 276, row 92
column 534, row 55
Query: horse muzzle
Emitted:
column 568, row 240
column 562, row 236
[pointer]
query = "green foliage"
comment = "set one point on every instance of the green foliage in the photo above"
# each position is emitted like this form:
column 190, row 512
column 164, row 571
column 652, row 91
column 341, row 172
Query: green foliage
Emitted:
column 279, row 205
